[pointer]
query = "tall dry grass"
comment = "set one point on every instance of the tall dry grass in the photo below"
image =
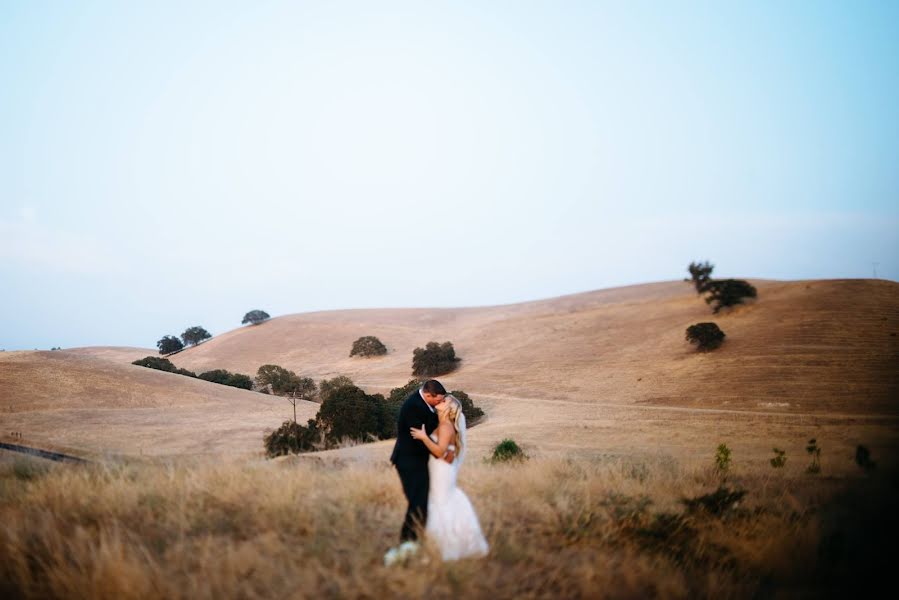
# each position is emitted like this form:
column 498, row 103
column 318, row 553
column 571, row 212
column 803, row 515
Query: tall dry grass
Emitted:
column 304, row 528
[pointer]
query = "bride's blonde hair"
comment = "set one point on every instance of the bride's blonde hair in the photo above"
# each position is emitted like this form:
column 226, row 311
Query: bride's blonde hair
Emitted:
column 455, row 416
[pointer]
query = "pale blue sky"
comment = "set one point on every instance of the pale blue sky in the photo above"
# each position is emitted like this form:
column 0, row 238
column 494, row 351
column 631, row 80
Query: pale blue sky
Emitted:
column 167, row 164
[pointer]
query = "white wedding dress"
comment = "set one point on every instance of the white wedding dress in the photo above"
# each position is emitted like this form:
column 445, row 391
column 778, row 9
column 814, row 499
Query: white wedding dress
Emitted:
column 452, row 522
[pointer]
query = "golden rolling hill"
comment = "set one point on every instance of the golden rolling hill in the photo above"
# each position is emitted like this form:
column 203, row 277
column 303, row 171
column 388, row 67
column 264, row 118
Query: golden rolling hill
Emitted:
column 604, row 372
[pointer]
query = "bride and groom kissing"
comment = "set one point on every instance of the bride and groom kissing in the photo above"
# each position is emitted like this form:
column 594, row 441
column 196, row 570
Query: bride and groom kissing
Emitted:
column 430, row 447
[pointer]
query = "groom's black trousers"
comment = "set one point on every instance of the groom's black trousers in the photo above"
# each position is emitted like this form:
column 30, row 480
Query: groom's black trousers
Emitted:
column 415, row 480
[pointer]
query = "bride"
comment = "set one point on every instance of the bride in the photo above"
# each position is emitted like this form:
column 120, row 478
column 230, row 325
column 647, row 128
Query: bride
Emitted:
column 452, row 522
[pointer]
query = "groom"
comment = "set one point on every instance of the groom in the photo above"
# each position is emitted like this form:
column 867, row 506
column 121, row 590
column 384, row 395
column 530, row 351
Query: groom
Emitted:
column 410, row 457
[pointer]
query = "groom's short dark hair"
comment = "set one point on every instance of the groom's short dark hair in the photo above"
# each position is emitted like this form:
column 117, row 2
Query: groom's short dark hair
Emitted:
column 434, row 387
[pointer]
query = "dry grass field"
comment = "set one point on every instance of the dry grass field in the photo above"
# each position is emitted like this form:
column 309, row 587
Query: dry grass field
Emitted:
column 619, row 415
column 198, row 529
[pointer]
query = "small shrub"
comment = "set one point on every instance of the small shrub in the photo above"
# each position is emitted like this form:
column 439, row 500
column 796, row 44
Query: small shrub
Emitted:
column 814, row 451
column 367, row 346
column 506, row 451
column 434, row 360
column 863, row 458
column 706, row 336
column 728, row 292
column 722, row 460
column 185, row 372
column 780, row 458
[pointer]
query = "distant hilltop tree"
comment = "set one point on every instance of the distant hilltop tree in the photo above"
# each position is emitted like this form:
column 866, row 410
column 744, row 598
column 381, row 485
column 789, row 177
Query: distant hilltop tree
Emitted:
column 255, row 317
column 706, row 336
column 434, row 360
column 700, row 275
column 169, row 344
column 367, row 346
column 728, row 292
column 194, row 335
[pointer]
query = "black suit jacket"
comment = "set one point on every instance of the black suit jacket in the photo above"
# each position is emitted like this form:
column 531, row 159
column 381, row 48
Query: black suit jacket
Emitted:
column 414, row 413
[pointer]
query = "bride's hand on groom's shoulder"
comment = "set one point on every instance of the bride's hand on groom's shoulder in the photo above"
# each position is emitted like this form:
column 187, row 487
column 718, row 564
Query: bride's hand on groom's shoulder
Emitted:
column 418, row 434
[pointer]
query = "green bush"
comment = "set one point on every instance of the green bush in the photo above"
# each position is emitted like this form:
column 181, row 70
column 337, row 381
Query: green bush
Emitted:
column 434, row 359
column 706, row 336
column 367, row 346
column 507, row 450
column 722, row 460
column 185, row 372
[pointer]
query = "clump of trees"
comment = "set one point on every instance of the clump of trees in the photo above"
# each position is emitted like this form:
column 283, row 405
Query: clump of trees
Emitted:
column 706, row 336
column 434, row 360
column 367, row 346
column 238, row 380
column 169, row 344
column 348, row 413
column 194, row 335
column 156, row 362
column 255, row 317
column 721, row 293
column 220, row 376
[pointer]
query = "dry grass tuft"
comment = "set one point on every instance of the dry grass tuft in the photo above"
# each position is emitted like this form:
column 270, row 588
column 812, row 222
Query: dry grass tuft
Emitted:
column 557, row 528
